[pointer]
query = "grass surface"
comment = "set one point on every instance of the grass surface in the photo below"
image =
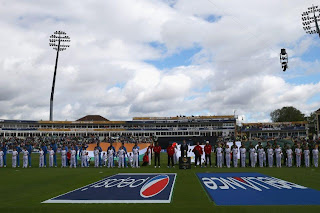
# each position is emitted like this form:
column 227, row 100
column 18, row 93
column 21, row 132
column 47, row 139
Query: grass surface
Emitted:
column 23, row 190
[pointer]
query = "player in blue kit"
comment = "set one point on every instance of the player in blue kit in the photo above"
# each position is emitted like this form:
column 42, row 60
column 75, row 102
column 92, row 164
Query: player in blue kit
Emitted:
column 29, row 148
column 18, row 148
column 4, row 149
column 54, row 148
column 45, row 151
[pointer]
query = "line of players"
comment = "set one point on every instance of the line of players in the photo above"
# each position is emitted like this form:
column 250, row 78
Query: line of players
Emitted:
column 263, row 156
column 225, row 155
column 69, row 156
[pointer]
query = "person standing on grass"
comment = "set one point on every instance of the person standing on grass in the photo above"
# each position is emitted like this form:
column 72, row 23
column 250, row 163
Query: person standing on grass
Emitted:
column 121, row 157
column 315, row 156
column 29, row 149
column 1, row 157
column 73, row 158
column 289, row 156
column 260, row 155
column 124, row 154
column 68, row 156
column 96, row 157
column 45, row 150
column 135, row 151
column 243, row 151
column 197, row 150
column 219, row 156
column 149, row 151
column 170, row 152
column 278, row 152
column 41, row 158
column 157, row 150
column 110, row 157
column 270, row 156
column 207, row 151
column 298, row 152
column 14, row 158
column 83, row 158
column 25, row 158
column 104, row 159
column 252, row 153
column 63, row 157
column 114, row 152
column 54, row 148
column 98, row 147
column 306, row 153
column 51, row 154
column 18, row 148
column 4, row 149
column 235, row 154
column 227, row 151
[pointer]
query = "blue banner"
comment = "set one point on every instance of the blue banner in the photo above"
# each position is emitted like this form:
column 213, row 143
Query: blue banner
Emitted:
column 255, row 189
column 123, row 188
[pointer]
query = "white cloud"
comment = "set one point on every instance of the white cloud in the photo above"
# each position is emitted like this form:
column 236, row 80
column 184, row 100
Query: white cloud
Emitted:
column 105, row 70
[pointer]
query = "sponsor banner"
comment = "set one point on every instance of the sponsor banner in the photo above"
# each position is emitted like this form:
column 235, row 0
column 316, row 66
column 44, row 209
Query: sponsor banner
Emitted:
column 255, row 189
column 123, row 188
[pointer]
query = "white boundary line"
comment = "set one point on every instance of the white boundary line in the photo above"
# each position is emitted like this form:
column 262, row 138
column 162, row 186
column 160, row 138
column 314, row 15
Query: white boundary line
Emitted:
column 114, row 201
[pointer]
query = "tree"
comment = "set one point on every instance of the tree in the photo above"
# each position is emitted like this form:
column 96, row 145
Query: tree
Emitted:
column 287, row 114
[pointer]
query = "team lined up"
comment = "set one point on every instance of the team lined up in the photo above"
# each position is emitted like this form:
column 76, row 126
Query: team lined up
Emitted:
column 267, row 156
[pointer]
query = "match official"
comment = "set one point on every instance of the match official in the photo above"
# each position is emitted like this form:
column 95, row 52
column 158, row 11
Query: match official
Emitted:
column 157, row 150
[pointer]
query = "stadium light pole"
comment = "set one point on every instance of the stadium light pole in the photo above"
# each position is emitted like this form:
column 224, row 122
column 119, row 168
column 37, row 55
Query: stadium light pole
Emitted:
column 59, row 41
column 310, row 22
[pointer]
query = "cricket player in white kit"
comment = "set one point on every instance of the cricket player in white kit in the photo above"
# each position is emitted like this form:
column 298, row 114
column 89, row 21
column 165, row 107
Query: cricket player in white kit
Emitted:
column 84, row 158
column 306, row 153
column 298, row 152
column 278, row 152
column 51, row 153
column 121, row 157
column 315, row 156
column 219, row 156
column 96, row 157
column 104, row 159
column 235, row 156
column 260, row 155
column 131, row 160
column 228, row 156
column 135, row 152
column 73, row 158
column 252, row 153
column 110, row 158
column 243, row 151
column 1, row 158
column 25, row 158
column 270, row 156
column 289, row 157
column 41, row 158
column 63, row 158
column 14, row 158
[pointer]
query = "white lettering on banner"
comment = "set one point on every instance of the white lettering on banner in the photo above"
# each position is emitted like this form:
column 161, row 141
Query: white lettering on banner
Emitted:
column 232, row 182
column 255, row 183
column 209, row 183
column 120, row 183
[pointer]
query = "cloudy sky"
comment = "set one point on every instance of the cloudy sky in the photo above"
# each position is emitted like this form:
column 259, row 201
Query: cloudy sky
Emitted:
column 157, row 58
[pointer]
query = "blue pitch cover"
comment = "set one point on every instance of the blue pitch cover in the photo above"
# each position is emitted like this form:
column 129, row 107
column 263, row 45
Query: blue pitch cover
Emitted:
column 123, row 188
column 227, row 189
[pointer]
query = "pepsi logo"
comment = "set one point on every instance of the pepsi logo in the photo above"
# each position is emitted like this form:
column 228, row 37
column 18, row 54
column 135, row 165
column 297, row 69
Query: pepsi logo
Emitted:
column 154, row 186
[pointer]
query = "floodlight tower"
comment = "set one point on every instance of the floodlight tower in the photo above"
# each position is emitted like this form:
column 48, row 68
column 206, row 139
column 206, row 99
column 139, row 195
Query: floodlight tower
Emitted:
column 59, row 41
column 310, row 22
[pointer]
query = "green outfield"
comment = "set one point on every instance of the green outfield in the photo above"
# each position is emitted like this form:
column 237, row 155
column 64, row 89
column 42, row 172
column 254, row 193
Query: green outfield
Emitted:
column 23, row 190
